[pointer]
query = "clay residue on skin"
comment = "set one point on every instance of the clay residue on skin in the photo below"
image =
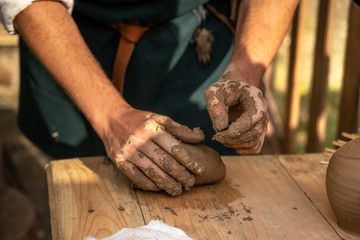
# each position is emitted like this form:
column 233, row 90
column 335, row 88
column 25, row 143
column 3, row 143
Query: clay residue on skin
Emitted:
column 119, row 161
column 181, row 153
column 127, row 150
column 152, row 125
column 173, row 171
column 186, row 179
column 246, row 109
column 142, row 182
column 134, row 174
column 226, row 76
column 164, row 159
column 181, row 132
column 248, row 100
column 170, row 186
column 214, row 168
column 216, row 108
column 178, row 172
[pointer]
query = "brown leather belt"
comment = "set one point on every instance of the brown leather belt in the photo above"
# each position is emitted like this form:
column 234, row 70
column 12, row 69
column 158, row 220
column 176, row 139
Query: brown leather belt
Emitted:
column 131, row 32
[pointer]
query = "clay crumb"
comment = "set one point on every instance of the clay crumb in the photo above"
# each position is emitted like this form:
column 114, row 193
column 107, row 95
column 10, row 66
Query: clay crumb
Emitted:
column 248, row 219
column 172, row 211
column 247, row 209
column 231, row 211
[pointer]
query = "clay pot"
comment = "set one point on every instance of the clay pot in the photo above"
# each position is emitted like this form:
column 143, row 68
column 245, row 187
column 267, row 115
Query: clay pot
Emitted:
column 343, row 186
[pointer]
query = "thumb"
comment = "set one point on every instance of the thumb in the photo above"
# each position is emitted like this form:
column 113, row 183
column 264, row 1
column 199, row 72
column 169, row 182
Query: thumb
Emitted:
column 217, row 110
column 181, row 132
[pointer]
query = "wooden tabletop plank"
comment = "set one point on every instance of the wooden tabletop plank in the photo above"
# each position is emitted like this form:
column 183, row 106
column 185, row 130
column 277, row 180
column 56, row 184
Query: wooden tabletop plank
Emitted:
column 310, row 175
column 257, row 200
column 7, row 40
column 89, row 197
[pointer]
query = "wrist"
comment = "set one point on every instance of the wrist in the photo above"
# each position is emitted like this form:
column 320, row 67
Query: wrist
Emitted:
column 107, row 105
column 246, row 73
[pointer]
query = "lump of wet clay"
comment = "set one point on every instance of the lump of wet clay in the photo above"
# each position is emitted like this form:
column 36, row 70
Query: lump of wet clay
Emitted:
column 343, row 186
column 214, row 168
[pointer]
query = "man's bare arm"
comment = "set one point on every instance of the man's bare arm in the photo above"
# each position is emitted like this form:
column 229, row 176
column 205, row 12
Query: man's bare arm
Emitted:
column 52, row 35
column 138, row 142
column 260, row 29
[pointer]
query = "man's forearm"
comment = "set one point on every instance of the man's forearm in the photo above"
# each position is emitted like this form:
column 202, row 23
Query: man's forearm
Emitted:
column 260, row 29
column 52, row 35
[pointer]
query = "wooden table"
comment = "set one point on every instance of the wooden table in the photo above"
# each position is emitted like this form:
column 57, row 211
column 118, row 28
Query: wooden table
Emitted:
column 262, row 197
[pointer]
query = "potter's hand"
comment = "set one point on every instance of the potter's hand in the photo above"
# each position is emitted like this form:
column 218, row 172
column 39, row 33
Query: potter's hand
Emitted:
column 244, row 105
column 139, row 144
column 148, row 152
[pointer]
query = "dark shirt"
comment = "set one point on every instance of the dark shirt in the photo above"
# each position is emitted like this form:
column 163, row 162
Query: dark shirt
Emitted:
column 163, row 75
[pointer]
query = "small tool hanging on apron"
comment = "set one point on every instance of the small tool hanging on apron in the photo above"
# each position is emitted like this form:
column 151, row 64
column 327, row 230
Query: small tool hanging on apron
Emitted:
column 132, row 31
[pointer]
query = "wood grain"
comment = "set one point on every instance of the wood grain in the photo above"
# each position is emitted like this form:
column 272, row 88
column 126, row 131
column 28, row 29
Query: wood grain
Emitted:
column 257, row 200
column 88, row 197
column 310, row 175
column 262, row 197
column 7, row 40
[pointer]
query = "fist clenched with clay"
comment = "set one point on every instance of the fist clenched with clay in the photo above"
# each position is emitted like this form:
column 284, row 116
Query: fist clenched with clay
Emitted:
column 157, row 153
column 239, row 114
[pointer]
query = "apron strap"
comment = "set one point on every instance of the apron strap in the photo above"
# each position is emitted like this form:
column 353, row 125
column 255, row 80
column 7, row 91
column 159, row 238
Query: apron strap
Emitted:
column 131, row 32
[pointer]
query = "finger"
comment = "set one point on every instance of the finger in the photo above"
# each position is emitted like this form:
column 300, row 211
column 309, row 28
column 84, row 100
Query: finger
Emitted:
column 246, row 122
column 242, row 145
column 226, row 137
column 253, row 106
column 151, row 170
column 248, row 151
column 254, row 150
column 181, row 132
column 168, row 164
column 134, row 174
column 215, row 97
column 253, row 141
column 179, row 152
column 254, row 132
column 173, row 146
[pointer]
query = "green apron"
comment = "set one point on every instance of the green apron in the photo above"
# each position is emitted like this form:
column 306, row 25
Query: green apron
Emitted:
column 163, row 75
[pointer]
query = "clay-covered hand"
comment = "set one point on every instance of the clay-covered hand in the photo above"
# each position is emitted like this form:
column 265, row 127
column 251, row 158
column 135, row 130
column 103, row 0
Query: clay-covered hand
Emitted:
column 148, row 152
column 232, row 100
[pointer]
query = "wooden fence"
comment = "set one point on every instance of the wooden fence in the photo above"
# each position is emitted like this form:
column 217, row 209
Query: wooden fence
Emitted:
column 285, row 135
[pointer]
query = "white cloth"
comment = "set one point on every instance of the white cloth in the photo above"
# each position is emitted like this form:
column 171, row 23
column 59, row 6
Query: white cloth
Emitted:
column 10, row 8
column 156, row 229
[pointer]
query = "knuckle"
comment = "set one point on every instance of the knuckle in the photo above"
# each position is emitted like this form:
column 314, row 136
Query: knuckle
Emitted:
column 208, row 94
column 252, row 143
column 257, row 131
